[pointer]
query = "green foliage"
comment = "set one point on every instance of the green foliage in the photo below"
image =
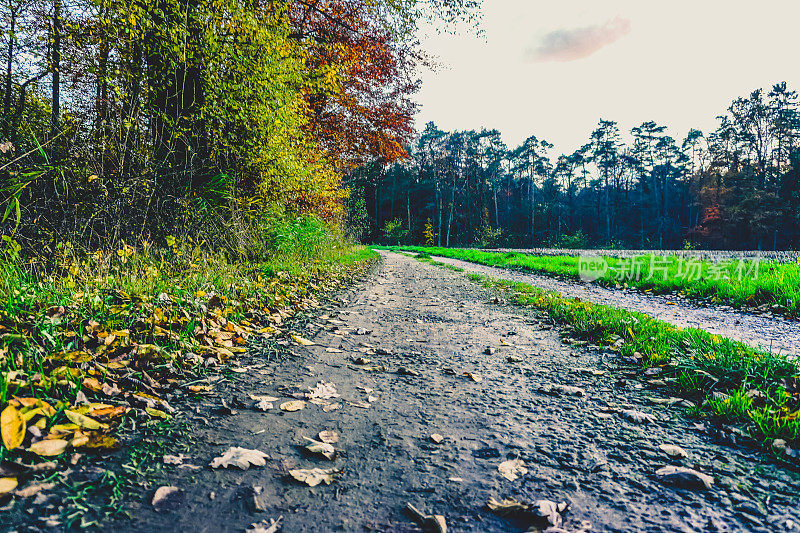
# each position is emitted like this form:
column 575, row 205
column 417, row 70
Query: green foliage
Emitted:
column 576, row 241
column 394, row 232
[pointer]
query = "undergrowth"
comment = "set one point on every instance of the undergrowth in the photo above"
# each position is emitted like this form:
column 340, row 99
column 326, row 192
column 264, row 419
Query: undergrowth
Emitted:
column 91, row 343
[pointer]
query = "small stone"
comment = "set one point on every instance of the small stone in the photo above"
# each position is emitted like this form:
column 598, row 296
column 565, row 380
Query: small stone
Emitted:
column 403, row 371
column 779, row 446
column 437, row 438
column 684, row 478
column 489, row 350
column 167, row 499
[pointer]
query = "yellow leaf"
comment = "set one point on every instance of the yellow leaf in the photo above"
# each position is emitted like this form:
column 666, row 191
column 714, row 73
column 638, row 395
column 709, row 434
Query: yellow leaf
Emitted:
column 301, row 340
column 49, row 448
column 7, row 484
column 630, row 332
column 156, row 413
column 82, row 420
column 12, row 427
column 294, row 405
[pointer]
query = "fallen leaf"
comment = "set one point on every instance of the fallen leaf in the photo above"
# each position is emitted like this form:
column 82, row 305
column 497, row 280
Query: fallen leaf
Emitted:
column 264, row 405
column 241, row 458
column 49, row 448
column 331, row 407
column 506, row 507
column 323, row 448
column 12, row 427
column 294, row 405
column 257, row 398
column 199, row 388
column 156, row 413
column 83, row 420
column 33, row 489
column 512, row 469
column 173, row 459
column 167, row 499
column 314, row 476
column 302, row 341
column 322, row 391
column 7, row 484
column 474, row 377
column 329, row 436
column 265, row 527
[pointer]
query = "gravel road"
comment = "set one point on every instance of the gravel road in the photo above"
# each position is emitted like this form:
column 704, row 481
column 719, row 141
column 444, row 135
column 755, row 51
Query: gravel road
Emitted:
column 427, row 326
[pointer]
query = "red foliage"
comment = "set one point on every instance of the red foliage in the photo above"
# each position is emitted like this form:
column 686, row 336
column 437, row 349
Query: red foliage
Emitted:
column 371, row 116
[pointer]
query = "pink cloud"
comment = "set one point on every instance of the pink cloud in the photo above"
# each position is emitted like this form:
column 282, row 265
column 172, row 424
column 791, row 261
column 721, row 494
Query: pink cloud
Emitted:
column 571, row 44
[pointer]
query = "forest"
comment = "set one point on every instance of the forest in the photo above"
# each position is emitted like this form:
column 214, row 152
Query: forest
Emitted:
column 734, row 188
column 127, row 122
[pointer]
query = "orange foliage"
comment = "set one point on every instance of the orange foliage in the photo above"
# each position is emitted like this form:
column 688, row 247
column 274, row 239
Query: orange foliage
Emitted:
column 370, row 116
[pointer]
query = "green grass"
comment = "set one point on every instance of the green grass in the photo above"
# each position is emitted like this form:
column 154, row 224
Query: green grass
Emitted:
column 731, row 382
column 774, row 285
column 75, row 322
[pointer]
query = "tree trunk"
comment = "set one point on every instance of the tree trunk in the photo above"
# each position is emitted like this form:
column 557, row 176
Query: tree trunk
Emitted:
column 450, row 217
column 9, row 68
column 55, row 112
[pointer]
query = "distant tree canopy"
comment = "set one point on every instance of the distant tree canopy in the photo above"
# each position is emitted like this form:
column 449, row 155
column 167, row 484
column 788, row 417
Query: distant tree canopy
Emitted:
column 738, row 187
column 133, row 120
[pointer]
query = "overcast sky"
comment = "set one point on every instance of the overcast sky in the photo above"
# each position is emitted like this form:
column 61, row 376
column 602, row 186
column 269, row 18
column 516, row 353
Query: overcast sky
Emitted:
column 553, row 68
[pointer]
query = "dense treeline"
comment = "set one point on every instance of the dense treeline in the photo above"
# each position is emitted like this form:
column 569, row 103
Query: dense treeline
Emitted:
column 132, row 121
column 738, row 187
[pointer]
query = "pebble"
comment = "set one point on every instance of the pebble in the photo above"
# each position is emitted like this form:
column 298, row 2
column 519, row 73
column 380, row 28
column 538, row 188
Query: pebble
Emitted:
column 684, row 478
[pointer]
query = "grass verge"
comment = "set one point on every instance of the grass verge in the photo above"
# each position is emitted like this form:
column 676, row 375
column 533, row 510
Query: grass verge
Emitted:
column 90, row 346
column 766, row 285
column 729, row 381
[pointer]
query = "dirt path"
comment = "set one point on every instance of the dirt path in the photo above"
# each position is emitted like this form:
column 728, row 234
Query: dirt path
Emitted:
column 770, row 332
column 434, row 322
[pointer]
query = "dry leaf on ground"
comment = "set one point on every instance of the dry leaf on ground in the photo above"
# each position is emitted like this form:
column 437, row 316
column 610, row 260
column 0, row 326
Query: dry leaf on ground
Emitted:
column 241, row 458
column 294, row 405
column 7, row 484
column 512, row 469
column 329, row 436
column 302, row 340
column 323, row 448
column 508, row 506
column 271, row 526
column 322, row 391
column 314, row 476
column 12, row 427
column 49, row 448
